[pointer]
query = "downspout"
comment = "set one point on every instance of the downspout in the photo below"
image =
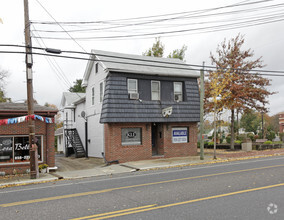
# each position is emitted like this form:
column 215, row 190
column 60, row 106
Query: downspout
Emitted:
column 46, row 131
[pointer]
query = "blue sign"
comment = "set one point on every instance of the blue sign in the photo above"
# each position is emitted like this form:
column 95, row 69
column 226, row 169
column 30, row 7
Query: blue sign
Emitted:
column 180, row 135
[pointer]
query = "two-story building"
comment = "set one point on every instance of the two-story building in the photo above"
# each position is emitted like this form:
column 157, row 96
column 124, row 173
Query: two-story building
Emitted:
column 138, row 107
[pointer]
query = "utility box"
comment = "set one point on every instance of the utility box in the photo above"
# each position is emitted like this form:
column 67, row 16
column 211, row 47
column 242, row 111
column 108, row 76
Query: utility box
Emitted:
column 247, row 145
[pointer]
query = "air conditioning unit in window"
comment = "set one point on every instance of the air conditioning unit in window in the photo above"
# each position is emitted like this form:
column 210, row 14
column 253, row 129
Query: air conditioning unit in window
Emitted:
column 177, row 98
column 134, row 96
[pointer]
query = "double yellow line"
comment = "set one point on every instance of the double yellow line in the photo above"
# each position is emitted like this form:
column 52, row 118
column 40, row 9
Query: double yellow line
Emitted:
column 128, row 187
column 155, row 207
column 117, row 213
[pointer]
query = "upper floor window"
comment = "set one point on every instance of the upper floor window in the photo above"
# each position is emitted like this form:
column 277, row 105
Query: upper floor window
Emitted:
column 101, row 91
column 132, row 86
column 155, row 90
column 96, row 67
column 178, row 91
column 93, row 95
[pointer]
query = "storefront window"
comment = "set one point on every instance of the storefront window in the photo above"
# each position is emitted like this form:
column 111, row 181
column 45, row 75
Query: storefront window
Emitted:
column 131, row 136
column 16, row 149
column 6, row 150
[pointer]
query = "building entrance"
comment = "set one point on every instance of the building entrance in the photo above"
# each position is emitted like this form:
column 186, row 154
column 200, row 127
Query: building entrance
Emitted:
column 157, row 139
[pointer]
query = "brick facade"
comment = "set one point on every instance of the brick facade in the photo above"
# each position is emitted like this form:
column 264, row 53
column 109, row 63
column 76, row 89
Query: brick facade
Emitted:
column 281, row 122
column 41, row 128
column 114, row 150
column 45, row 130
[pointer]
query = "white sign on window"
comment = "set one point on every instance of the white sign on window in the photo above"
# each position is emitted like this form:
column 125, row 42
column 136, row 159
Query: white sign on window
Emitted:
column 180, row 135
column 131, row 136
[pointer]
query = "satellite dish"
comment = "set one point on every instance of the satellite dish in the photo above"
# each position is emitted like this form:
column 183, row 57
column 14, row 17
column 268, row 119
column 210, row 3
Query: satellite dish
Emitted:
column 83, row 114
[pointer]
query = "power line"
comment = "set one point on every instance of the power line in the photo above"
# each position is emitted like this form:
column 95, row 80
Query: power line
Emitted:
column 60, row 25
column 155, row 16
column 168, row 25
column 220, row 28
column 56, row 68
column 183, row 66
column 115, row 26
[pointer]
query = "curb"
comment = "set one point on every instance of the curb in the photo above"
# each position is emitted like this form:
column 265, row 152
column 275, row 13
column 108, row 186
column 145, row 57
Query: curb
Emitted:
column 208, row 162
column 27, row 182
column 134, row 169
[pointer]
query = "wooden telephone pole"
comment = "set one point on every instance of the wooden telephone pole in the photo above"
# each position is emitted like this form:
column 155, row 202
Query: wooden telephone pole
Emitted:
column 201, row 128
column 34, row 173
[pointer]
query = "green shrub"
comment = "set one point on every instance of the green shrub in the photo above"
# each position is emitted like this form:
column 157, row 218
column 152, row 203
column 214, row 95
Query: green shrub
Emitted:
column 241, row 137
column 238, row 142
column 267, row 142
column 271, row 135
column 211, row 143
column 228, row 139
column 252, row 137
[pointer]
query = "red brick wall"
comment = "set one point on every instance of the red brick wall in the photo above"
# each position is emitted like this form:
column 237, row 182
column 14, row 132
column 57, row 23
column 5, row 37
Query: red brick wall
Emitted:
column 41, row 128
column 180, row 149
column 281, row 123
column 115, row 151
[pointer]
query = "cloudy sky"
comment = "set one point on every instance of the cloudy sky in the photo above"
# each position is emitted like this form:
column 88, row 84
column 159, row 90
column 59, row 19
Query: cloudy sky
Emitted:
column 110, row 25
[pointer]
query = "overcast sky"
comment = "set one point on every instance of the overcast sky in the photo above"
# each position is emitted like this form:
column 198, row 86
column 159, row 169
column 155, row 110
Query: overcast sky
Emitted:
column 50, row 80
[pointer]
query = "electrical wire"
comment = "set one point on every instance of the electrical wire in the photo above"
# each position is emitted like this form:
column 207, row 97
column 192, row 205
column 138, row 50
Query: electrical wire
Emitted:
column 183, row 66
column 154, row 16
column 60, row 25
column 262, row 16
column 247, row 21
column 56, row 68
column 203, row 29
column 244, row 11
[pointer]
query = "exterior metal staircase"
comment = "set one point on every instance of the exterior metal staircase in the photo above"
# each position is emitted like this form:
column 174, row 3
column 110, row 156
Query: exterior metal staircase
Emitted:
column 73, row 141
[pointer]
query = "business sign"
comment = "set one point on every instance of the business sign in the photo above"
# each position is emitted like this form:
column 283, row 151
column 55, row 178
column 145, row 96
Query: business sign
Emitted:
column 6, row 149
column 131, row 136
column 22, row 148
column 15, row 149
column 180, row 135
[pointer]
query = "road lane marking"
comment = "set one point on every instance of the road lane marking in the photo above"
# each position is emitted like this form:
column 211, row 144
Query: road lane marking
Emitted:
column 106, row 215
column 229, row 163
column 129, row 187
column 54, row 198
column 115, row 212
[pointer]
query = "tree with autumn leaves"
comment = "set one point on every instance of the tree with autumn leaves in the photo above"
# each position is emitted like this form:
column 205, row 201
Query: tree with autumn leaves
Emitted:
column 239, row 88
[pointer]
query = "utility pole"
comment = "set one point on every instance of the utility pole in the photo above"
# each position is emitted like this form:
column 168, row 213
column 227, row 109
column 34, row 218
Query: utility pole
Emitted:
column 262, row 130
column 34, row 173
column 202, row 113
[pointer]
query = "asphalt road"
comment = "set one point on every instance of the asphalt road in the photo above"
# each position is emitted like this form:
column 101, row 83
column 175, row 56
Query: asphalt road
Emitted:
column 250, row 189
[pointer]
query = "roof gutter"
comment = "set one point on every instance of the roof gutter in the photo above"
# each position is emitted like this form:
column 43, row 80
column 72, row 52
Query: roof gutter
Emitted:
column 192, row 73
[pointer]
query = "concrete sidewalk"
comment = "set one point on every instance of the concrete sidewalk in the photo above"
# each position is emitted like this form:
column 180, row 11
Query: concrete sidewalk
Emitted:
column 73, row 168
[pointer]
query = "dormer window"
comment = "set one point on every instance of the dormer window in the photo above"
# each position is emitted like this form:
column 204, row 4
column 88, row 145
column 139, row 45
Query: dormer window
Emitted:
column 132, row 86
column 178, row 91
